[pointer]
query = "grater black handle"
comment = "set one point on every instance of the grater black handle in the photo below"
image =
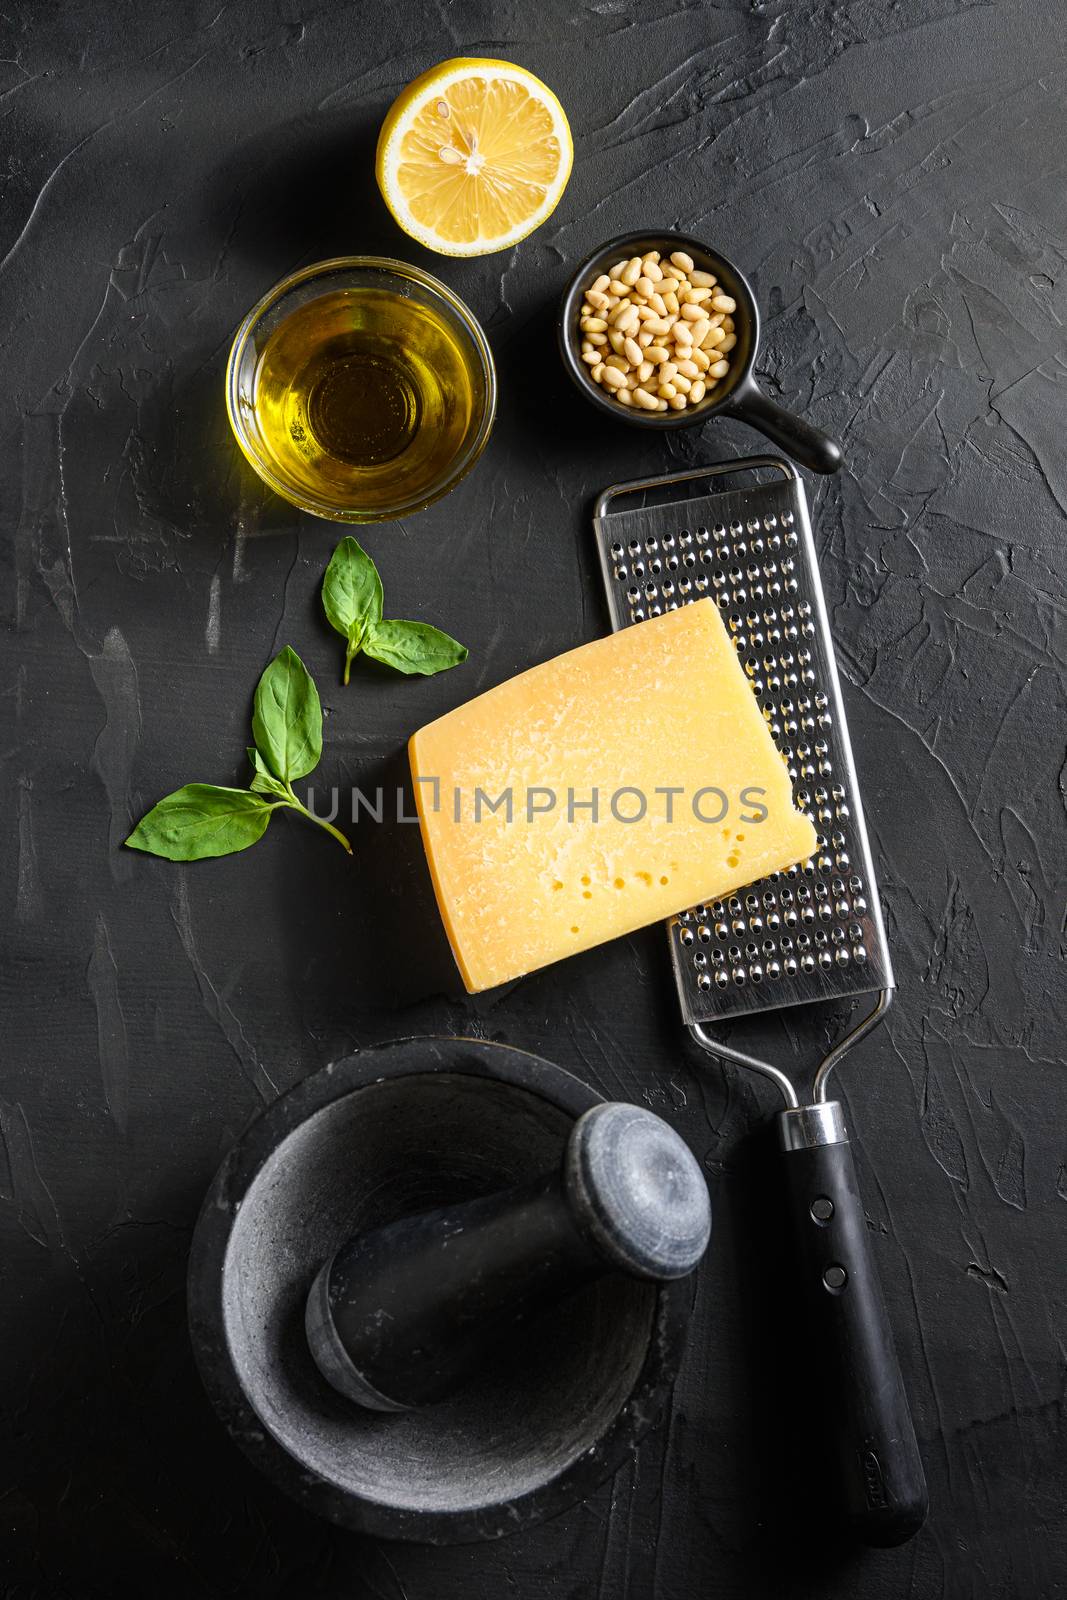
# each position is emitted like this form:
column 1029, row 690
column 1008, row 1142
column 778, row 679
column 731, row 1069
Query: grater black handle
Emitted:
column 813, row 449
column 865, row 1406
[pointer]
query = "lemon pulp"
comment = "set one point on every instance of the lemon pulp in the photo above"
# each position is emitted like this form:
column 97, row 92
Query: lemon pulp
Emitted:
column 473, row 156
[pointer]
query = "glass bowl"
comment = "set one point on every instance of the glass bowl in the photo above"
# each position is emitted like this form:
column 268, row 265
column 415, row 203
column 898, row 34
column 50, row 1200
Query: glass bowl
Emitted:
column 361, row 389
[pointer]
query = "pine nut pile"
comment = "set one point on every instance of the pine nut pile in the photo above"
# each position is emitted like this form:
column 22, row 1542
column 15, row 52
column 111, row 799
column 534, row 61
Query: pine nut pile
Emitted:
column 657, row 334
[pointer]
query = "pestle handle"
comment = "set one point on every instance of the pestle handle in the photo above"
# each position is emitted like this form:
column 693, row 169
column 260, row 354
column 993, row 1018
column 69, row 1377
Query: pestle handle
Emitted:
column 402, row 1315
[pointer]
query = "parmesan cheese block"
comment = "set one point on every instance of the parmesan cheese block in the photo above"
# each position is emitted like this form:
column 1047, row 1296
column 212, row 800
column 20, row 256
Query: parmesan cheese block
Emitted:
column 606, row 789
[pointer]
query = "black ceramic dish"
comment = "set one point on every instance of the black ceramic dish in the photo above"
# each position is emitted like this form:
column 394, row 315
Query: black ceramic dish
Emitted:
column 738, row 395
column 394, row 1130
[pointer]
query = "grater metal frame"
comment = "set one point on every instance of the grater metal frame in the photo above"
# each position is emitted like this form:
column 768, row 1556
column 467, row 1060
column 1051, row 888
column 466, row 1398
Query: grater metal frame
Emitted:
column 814, row 932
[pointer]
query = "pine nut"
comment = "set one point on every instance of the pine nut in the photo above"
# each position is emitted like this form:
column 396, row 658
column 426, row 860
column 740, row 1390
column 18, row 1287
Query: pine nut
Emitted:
column 678, row 402
column 670, row 300
column 658, row 304
column 616, row 271
column 632, row 271
column 601, row 283
column 644, row 338
column 645, row 371
column 591, row 357
column 701, row 330
column 619, row 289
column 658, row 325
column 595, row 299
column 667, row 391
column 713, row 337
column 692, row 313
column 616, row 340
column 645, row 286
column 653, row 255
column 716, row 319
column 612, row 378
column 632, row 352
column 670, row 284
column 728, row 343
column 643, row 398
column 681, row 383
column 661, row 405
column 597, row 338
column 624, row 396
column 701, row 360
column 619, row 362
column 728, row 324
column 718, row 369
column 682, row 333
column 689, row 369
column 667, row 371
column 597, row 372
column 680, row 259
column 592, row 324
column 656, row 353
column 723, row 302
column 652, row 268
column 697, row 392
column 703, row 280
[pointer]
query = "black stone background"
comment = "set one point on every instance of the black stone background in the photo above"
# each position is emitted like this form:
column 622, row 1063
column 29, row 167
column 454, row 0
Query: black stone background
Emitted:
column 891, row 175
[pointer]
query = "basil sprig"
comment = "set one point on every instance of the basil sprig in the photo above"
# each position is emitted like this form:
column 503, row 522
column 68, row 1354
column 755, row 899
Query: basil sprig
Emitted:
column 352, row 599
column 202, row 820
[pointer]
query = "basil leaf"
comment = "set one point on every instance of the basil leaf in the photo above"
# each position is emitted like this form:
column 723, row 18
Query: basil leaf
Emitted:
column 351, row 596
column 351, row 590
column 287, row 718
column 264, row 781
column 201, row 820
column 413, row 647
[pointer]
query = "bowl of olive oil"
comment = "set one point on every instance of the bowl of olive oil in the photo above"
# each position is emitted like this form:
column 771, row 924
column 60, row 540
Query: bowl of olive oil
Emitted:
column 361, row 389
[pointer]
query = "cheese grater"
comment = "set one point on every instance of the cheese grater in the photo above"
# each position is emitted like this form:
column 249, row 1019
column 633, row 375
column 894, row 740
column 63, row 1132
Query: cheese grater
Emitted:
column 808, row 935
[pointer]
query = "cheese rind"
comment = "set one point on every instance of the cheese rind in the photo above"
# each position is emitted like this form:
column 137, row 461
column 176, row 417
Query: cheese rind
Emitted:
column 660, row 706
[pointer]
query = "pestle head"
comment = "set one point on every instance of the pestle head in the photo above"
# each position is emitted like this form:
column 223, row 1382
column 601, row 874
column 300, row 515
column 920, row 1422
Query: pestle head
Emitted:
column 636, row 1191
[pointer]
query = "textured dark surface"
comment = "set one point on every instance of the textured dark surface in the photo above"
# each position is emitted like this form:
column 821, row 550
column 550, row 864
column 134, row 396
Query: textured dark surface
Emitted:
column 890, row 175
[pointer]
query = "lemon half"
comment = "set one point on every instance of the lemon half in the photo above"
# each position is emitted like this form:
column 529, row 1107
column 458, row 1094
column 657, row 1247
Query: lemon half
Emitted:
column 473, row 156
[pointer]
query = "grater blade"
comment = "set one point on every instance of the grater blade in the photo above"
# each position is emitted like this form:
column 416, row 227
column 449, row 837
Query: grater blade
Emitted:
column 812, row 933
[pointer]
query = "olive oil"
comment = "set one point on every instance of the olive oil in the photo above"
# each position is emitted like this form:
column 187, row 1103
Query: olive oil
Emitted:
column 363, row 398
